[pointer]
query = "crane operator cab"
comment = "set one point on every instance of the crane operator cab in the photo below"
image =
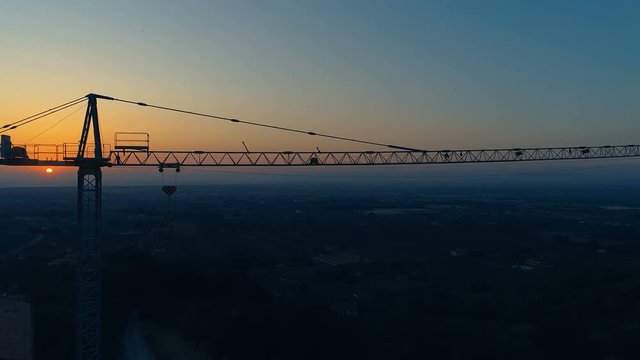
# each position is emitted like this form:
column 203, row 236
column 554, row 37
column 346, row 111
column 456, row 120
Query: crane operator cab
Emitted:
column 10, row 152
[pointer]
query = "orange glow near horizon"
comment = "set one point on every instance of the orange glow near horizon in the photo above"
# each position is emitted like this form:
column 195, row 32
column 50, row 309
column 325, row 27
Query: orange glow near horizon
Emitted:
column 48, row 170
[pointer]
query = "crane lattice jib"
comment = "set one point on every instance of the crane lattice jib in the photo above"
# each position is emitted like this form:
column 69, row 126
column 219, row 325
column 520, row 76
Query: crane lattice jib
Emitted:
column 161, row 158
column 355, row 158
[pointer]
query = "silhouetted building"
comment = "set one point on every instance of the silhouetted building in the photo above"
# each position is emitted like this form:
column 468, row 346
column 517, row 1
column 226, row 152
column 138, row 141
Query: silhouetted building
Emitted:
column 15, row 330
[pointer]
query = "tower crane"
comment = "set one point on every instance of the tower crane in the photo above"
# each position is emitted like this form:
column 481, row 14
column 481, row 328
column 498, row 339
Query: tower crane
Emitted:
column 90, row 158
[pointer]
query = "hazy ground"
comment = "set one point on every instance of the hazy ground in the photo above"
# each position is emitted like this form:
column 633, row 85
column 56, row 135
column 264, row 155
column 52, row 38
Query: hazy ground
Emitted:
column 351, row 271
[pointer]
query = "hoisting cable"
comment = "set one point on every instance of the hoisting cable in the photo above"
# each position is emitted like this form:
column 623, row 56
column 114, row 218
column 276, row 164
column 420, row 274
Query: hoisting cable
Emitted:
column 54, row 125
column 234, row 120
column 40, row 115
column 42, row 112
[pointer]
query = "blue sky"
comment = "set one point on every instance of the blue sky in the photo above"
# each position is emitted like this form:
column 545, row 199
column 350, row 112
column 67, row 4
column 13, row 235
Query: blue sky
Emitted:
column 427, row 74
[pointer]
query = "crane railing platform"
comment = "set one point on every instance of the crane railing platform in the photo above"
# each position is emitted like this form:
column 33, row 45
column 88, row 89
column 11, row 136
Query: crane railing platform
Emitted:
column 131, row 141
column 51, row 154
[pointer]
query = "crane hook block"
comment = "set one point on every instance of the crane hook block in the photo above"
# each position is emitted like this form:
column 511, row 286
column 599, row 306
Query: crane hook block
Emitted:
column 169, row 189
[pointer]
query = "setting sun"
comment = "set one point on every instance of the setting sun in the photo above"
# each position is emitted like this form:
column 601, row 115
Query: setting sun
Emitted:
column 48, row 170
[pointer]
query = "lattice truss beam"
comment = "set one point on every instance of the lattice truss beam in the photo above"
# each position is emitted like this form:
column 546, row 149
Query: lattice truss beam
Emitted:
column 296, row 158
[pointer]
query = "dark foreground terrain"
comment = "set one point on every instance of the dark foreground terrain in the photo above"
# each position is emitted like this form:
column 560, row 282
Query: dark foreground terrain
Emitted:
column 291, row 272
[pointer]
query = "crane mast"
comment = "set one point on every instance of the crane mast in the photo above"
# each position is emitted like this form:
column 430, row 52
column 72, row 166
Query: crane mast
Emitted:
column 90, row 161
column 89, row 263
column 89, row 215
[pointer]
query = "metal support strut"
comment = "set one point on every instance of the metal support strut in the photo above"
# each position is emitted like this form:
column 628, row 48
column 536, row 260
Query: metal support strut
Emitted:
column 89, row 263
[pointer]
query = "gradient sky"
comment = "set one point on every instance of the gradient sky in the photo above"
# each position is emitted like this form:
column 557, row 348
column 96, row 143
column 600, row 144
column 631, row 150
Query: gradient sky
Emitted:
column 427, row 74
